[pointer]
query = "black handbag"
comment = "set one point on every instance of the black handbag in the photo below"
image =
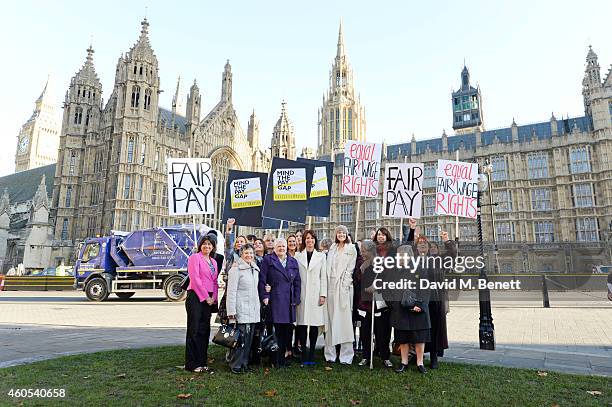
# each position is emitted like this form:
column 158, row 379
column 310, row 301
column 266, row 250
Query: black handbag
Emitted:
column 228, row 336
column 409, row 299
column 269, row 343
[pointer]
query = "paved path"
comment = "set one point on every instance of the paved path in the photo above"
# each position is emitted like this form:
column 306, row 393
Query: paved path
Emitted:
column 572, row 337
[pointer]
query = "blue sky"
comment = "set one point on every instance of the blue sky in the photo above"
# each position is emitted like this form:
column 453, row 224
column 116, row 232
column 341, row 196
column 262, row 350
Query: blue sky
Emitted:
column 527, row 56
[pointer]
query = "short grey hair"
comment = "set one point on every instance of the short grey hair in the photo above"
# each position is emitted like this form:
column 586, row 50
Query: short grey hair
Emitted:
column 406, row 249
column 244, row 248
column 280, row 240
column 327, row 242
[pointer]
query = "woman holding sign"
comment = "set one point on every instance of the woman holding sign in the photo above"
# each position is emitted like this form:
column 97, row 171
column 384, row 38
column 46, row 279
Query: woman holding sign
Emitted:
column 339, row 323
column 281, row 273
column 310, row 312
column 201, row 297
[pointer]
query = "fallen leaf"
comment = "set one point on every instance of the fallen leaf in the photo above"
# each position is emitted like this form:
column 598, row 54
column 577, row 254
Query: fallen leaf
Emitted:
column 542, row 374
column 184, row 396
column 270, row 393
column 121, row 376
column 266, row 371
column 355, row 402
column 443, row 391
column 594, row 392
column 211, row 360
column 85, row 377
column 314, row 380
column 407, row 387
column 555, row 405
column 327, row 368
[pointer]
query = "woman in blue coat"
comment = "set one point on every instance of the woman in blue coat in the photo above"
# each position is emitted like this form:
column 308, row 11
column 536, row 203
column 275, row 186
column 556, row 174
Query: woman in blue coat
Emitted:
column 279, row 286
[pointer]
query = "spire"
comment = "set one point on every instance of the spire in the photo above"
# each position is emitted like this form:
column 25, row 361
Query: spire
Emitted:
column 283, row 139
column 87, row 73
column 44, row 91
column 226, row 87
column 340, row 51
column 175, row 98
column 41, row 198
column 253, row 131
column 142, row 49
column 591, row 55
column 465, row 77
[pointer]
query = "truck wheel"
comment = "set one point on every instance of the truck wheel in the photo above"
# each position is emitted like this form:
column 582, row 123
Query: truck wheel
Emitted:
column 173, row 290
column 96, row 289
column 124, row 296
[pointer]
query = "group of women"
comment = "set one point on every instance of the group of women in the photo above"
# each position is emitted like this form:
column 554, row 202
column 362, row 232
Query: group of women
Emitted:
column 300, row 288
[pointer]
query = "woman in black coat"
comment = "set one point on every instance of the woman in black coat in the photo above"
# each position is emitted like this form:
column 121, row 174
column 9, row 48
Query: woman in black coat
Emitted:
column 411, row 324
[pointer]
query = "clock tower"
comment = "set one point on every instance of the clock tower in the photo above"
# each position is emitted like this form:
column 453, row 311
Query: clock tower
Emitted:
column 37, row 141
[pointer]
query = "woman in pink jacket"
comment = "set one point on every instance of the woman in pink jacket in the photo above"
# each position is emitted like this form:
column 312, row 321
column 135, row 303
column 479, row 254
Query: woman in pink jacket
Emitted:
column 201, row 299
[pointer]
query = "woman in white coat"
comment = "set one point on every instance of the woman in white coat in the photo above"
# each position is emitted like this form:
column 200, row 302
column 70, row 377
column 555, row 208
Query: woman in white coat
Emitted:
column 311, row 311
column 339, row 322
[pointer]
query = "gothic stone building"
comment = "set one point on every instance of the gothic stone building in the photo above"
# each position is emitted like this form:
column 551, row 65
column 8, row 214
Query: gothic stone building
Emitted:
column 110, row 172
column 552, row 180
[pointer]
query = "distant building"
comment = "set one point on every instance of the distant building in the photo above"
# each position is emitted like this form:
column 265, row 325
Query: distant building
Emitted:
column 308, row 152
column 552, row 182
column 26, row 230
column 39, row 137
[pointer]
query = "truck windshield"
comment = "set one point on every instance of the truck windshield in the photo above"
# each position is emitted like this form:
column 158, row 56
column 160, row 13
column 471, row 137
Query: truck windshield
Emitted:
column 91, row 252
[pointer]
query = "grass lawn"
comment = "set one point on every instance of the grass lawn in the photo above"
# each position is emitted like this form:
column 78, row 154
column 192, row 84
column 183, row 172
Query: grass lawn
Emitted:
column 150, row 377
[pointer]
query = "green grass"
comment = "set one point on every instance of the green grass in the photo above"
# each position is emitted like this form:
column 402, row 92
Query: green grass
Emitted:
column 150, row 377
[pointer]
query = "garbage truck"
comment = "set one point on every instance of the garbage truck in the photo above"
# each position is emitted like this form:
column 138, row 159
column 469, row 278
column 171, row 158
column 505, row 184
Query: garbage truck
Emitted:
column 125, row 263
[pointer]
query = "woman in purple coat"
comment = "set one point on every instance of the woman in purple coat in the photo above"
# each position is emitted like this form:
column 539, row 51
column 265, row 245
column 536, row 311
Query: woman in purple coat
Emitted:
column 279, row 286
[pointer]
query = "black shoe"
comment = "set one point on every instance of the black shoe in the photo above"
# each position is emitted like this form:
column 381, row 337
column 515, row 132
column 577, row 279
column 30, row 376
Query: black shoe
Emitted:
column 422, row 369
column 236, row 371
column 433, row 361
column 248, row 369
column 402, row 368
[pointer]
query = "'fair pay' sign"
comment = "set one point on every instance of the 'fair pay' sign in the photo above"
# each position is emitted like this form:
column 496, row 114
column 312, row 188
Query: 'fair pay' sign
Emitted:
column 190, row 186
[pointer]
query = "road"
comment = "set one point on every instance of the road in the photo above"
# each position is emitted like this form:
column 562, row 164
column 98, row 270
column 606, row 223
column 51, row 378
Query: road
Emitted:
column 574, row 335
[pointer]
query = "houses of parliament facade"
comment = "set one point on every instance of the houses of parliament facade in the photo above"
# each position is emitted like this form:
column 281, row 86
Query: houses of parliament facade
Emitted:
column 552, row 181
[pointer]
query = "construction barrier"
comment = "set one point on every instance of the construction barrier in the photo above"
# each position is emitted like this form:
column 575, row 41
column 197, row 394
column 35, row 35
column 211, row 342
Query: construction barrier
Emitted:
column 36, row 283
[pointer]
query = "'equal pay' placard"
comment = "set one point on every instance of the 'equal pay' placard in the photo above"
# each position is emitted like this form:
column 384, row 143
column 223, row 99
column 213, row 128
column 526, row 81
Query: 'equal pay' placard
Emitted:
column 456, row 188
column 403, row 190
column 361, row 169
column 245, row 193
column 289, row 184
column 190, row 186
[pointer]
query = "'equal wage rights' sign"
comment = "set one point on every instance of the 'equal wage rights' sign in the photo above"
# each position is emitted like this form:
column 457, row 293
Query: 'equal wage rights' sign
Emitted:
column 361, row 169
column 190, row 186
column 403, row 190
column 457, row 188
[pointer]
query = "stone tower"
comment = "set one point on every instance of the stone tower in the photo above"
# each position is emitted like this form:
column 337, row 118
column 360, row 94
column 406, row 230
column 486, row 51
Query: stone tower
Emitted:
column 38, row 138
column 81, row 118
column 341, row 116
column 253, row 131
column 591, row 81
column 467, row 106
column 283, row 137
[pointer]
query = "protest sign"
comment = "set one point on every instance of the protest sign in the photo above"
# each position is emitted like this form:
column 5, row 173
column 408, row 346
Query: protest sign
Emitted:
column 190, row 186
column 403, row 190
column 243, row 197
column 456, row 188
column 320, row 192
column 361, row 169
column 287, row 190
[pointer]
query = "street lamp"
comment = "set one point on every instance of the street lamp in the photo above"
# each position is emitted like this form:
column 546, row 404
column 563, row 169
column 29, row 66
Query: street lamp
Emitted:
column 486, row 330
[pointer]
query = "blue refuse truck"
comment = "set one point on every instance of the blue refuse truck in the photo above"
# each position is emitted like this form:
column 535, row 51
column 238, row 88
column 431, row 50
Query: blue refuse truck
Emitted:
column 124, row 263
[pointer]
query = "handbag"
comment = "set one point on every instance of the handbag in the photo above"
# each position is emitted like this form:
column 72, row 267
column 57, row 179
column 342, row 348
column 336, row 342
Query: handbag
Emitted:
column 409, row 300
column 228, row 336
column 269, row 343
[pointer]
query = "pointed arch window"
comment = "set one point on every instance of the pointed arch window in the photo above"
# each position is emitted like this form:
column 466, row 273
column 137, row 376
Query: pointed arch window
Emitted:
column 130, row 150
column 126, row 188
column 135, row 96
column 140, row 69
column 135, row 69
column 68, row 196
column 64, row 235
column 156, row 165
column 78, row 115
column 87, row 117
column 147, row 99
column 143, row 150
column 72, row 163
